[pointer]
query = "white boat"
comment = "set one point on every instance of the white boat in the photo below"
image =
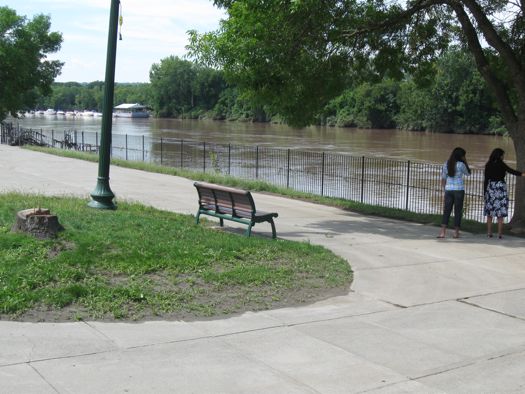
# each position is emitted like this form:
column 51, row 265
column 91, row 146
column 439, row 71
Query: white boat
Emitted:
column 131, row 111
column 61, row 113
column 97, row 114
column 71, row 113
column 88, row 113
column 50, row 112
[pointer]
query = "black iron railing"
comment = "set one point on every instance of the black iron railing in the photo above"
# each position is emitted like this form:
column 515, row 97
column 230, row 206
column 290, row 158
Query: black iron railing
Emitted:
column 408, row 185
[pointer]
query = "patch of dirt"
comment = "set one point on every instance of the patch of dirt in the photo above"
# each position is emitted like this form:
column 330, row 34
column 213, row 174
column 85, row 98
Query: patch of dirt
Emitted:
column 228, row 301
column 59, row 247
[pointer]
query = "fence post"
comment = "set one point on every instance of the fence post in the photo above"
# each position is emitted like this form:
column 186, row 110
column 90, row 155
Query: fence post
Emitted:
column 181, row 153
column 362, row 177
column 322, row 174
column 83, row 141
column 288, row 168
column 126, row 146
column 229, row 158
column 52, row 138
column 96, row 140
column 64, row 141
column 76, row 139
column 204, row 156
column 143, row 157
column 41, row 137
column 257, row 162
column 160, row 150
column 408, row 185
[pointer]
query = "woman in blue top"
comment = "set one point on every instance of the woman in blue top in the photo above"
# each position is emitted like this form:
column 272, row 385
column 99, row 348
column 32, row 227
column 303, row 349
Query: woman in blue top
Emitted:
column 452, row 173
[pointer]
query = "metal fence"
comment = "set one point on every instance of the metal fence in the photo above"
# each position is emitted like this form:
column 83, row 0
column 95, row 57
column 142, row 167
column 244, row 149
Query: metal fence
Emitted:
column 408, row 185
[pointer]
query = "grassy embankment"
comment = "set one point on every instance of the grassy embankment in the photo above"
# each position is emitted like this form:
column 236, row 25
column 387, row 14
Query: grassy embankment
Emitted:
column 365, row 209
column 141, row 263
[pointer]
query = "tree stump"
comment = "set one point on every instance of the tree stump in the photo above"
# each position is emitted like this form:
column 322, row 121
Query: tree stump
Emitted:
column 38, row 222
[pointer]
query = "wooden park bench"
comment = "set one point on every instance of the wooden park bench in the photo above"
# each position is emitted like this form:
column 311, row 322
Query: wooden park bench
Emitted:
column 231, row 204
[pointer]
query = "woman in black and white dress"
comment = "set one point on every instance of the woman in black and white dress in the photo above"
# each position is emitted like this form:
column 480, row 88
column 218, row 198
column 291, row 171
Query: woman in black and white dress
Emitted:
column 496, row 197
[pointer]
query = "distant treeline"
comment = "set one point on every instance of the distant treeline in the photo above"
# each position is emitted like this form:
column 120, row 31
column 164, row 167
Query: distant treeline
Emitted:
column 455, row 99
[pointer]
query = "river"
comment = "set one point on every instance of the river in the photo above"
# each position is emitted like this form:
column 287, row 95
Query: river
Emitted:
column 395, row 144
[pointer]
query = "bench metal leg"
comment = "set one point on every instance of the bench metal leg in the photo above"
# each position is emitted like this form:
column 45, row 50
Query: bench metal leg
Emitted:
column 274, row 233
column 221, row 221
column 197, row 217
column 249, row 230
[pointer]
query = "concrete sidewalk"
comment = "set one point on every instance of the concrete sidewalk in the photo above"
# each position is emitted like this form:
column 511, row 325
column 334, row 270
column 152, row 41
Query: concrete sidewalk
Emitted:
column 424, row 315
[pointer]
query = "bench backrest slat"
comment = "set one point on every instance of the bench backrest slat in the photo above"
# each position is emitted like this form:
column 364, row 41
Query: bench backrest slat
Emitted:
column 223, row 201
column 226, row 200
column 206, row 198
column 243, row 205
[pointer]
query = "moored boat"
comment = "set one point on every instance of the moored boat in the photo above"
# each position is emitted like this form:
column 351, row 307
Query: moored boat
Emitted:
column 131, row 111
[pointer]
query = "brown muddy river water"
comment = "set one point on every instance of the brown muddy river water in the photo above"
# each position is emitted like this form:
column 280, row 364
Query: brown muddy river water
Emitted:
column 395, row 144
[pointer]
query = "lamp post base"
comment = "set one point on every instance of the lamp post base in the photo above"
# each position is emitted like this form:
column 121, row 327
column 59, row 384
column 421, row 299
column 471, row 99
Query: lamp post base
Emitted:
column 102, row 195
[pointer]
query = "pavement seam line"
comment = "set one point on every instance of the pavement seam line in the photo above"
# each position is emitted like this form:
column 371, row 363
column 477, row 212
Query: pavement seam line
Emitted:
column 464, row 301
column 40, row 360
column 402, row 265
column 218, row 336
column 493, row 293
column 466, row 364
column 43, row 378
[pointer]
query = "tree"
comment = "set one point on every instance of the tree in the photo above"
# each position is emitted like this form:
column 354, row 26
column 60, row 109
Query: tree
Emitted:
column 457, row 99
column 294, row 54
column 171, row 86
column 180, row 86
column 24, row 67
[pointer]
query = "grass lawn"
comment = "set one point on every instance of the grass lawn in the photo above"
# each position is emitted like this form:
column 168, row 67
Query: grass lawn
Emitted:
column 139, row 263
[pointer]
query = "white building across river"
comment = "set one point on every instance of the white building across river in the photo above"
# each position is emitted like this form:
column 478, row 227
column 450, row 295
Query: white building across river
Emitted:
column 130, row 111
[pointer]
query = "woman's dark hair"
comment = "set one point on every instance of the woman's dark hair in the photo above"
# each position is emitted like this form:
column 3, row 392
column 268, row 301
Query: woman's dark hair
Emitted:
column 457, row 155
column 496, row 155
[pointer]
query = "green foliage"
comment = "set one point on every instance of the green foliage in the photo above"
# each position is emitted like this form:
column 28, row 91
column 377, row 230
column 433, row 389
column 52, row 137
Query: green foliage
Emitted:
column 278, row 54
column 457, row 100
column 376, row 105
column 365, row 106
column 414, row 103
column 71, row 96
column 295, row 56
column 24, row 68
column 180, row 87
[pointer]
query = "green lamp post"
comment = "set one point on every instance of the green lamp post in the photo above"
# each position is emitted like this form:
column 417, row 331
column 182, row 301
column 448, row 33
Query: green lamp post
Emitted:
column 102, row 196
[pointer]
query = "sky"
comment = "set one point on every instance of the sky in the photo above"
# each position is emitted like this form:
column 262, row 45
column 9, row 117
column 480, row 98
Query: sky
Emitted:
column 152, row 30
